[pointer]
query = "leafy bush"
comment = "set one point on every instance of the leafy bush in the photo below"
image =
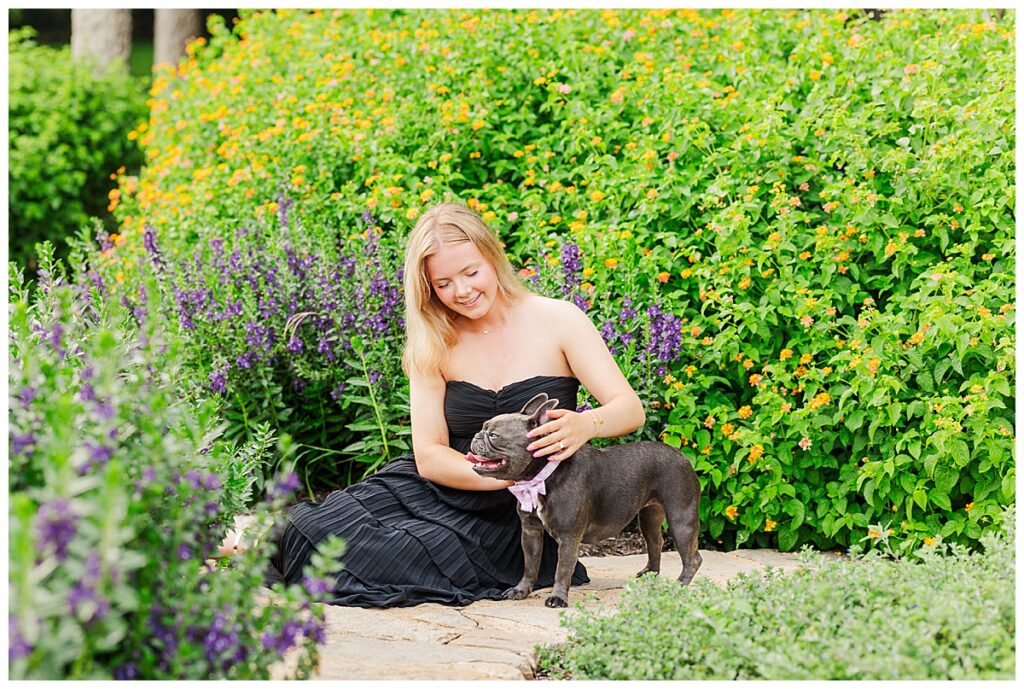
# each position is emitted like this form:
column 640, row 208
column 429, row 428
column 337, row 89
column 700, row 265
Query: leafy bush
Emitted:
column 121, row 489
column 782, row 186
column 866, row 618
column 67, row 131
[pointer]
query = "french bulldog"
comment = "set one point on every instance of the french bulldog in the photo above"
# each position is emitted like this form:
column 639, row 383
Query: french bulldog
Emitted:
column 590, row 496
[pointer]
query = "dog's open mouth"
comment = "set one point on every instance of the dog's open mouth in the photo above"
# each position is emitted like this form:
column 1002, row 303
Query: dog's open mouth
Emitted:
column 485, row 463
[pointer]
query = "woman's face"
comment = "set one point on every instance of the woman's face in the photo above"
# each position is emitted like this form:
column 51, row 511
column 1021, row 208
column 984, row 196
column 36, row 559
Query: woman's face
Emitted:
column 463, row 279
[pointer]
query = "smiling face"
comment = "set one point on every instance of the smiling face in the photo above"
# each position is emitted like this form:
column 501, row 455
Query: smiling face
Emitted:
column 463, row 279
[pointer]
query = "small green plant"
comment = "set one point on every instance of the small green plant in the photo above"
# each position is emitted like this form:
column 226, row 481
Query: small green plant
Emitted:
column 941, row 613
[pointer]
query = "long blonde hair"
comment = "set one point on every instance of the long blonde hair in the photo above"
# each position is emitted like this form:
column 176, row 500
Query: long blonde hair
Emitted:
column 429, row 324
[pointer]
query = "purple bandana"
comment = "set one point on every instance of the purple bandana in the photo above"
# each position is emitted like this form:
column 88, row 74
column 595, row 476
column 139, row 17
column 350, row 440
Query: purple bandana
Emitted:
column 527, row 491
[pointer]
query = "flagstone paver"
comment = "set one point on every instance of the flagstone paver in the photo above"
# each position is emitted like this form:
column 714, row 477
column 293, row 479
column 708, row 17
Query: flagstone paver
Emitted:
column 492, row 639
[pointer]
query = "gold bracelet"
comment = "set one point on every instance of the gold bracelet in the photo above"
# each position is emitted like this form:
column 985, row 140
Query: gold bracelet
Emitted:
column 598, row 423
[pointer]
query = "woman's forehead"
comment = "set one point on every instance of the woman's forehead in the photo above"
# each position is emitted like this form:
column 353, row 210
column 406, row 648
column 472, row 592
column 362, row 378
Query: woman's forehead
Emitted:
column 452, row 259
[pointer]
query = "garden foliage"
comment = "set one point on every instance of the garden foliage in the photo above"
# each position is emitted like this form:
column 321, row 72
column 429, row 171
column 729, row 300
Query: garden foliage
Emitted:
column 865, row 618
column 794, row 228
column 121, row 490
column 67, row 141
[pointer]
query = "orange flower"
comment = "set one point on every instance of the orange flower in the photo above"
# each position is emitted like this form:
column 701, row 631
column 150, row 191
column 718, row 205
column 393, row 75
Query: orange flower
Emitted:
column 663, row 277
column 731, row 511
column 611, row 262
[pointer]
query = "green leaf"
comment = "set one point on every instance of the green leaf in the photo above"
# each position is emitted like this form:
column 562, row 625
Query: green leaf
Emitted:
column 921, row 498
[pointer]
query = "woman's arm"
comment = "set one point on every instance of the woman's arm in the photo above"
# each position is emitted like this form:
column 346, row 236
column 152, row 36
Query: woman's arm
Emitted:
column 435, row 460
column 620, row 412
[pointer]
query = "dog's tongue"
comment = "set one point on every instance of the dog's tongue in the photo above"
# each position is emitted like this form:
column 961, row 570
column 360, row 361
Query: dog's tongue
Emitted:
column 476, row 459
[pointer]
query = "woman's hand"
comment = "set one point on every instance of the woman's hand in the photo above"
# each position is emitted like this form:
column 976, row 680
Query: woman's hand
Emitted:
column 566, row 432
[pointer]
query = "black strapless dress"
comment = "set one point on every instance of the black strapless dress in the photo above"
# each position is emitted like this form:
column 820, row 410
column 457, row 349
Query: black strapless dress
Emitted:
column 411, row 541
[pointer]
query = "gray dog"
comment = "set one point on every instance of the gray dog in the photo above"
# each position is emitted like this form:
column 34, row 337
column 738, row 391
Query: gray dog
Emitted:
column 590, row 496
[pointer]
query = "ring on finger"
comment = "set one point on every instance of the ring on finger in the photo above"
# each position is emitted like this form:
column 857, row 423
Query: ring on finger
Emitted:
column 561, row 445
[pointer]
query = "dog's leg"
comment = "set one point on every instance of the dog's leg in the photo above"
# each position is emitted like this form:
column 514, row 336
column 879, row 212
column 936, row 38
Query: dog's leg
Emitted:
column 651, row 518
column 533, row 547
column 684, row 523
column 568, row 553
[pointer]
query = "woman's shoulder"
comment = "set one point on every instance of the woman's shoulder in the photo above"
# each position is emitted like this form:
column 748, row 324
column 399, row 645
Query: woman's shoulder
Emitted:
column 539, row 306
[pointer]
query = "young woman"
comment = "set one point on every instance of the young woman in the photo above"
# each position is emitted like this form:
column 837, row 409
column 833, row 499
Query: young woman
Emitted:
column 426, row 527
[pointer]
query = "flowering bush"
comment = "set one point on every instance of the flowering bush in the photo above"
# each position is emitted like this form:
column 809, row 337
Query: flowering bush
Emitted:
column 121, row 489
column 66, row 129
column 770, row 190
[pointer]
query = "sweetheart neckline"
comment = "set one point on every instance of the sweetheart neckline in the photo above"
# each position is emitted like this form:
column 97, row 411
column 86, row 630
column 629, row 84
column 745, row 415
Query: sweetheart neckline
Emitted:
column 498, row 392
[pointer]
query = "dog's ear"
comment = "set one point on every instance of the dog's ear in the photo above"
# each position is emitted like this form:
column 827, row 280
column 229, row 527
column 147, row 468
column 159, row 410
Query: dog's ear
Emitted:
column 534, row 404
column 540, row 417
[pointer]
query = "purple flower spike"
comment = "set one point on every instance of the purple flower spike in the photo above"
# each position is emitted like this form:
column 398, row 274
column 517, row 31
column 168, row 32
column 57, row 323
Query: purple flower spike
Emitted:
column 56, row 525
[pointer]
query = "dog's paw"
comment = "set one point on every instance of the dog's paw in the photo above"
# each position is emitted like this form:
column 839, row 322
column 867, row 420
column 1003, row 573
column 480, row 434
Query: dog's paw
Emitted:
column 645, row 570
column 515, row 594
column 556, row 602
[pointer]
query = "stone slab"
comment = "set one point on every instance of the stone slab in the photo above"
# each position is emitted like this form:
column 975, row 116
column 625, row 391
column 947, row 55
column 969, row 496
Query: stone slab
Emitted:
column 493, row 640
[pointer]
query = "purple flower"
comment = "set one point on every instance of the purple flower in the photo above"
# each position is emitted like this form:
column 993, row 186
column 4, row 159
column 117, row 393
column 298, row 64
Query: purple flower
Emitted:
column 285, row 486
column 127, row 671
column 17, row 646
column 315, row 586
column 294, row 345
column 21, row 443
column 217, row 381
column 183, row 552
column 56, row 525
column 149, row 241
column 194, row 479
column 211, row 481
column 571, row 267
column 99, row 455
column 245, row 359
column 27, row 394
column 337, row 392
column 608, row 332
column 581, row 302
column 666, row 334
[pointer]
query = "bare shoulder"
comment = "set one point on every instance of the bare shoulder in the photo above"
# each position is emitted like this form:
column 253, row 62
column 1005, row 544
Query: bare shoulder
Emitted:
column 555, row 312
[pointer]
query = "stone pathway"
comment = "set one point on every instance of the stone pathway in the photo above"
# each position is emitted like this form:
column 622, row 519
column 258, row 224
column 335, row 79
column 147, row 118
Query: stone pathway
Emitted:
column 491, row 639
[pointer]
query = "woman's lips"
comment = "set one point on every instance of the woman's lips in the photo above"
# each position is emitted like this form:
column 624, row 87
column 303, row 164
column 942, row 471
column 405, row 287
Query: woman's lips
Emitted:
column 471, row 303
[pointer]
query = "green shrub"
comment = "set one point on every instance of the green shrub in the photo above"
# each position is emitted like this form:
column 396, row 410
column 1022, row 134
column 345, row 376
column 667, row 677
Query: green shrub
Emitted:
column 67, row 130
column 942, row 614
column 121, row 490
column 780, row 187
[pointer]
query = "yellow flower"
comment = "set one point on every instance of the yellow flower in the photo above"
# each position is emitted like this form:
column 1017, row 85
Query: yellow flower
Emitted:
column 727, row 429
column 785, row 354
column 596, row 195
column 815, row 75
column 755, row 453
column 663, row 276
column 746, row 412
column 769, row 525
column 478, row 124
column 611, row 262
column 731, row 511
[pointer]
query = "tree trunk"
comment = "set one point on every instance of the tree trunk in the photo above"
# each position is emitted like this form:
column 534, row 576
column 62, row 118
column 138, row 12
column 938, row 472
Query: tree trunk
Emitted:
column 172, row 30
column 106, row 35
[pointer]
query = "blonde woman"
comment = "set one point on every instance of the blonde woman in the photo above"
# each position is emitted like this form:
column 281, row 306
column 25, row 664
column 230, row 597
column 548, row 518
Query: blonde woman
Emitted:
column 427, row 528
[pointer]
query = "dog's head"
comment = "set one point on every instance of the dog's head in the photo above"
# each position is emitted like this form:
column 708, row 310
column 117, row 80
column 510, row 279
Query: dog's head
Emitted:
column 499, row 449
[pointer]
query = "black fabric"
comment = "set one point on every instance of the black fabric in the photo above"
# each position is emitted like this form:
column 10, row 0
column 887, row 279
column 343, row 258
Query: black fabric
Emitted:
column 411, row 541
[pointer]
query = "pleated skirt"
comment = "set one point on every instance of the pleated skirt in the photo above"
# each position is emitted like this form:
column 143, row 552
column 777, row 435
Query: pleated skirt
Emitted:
column 410, row 541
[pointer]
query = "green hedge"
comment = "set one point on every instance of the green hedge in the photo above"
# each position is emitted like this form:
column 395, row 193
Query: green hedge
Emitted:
column 67, row 132
column 811, row 212
column 943, row 614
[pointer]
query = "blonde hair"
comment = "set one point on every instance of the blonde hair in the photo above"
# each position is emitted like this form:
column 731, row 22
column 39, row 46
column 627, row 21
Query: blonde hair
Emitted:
column 429, row 324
